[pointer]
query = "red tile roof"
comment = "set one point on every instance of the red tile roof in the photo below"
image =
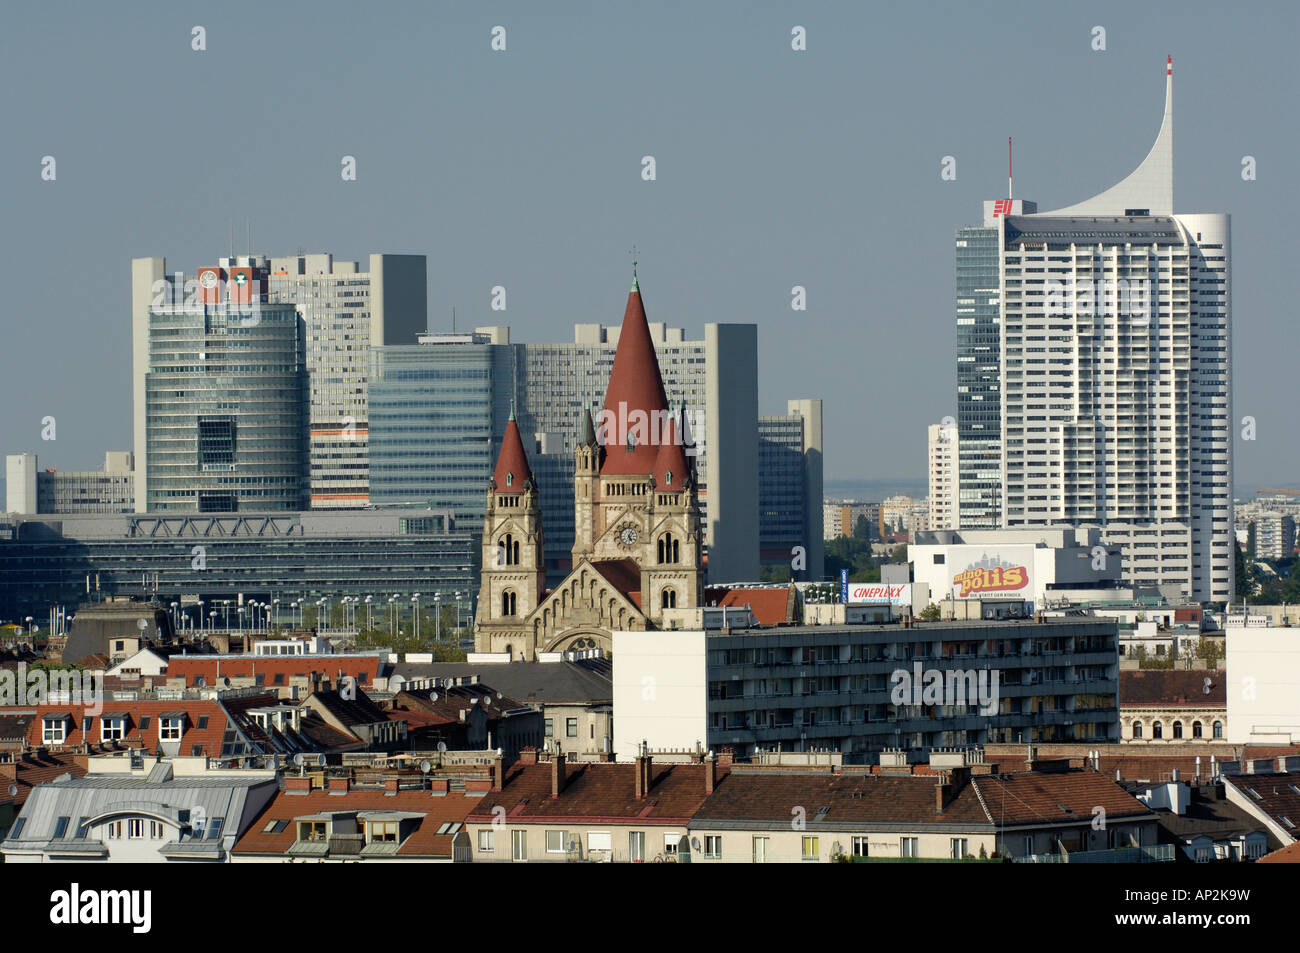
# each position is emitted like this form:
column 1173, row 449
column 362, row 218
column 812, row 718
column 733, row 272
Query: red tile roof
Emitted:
column 623, row 574
column 32, row 768
column 1275, row 795
column 424, row 841
column 1170, row 688
column 1287, row 855
column 769, row 605
column 211, row 668
column 599, row 792
column 984, row 801
column 512, row 471
column 634, row 382
column 208, row 738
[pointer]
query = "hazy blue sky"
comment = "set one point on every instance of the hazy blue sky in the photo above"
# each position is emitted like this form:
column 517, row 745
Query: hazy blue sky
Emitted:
column 522, row 168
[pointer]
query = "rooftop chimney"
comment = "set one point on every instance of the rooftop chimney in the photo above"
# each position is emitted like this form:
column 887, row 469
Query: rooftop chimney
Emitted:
column 643, row 773
column 557, row 773
column 528, row 756
column 498, row 773
column 710, row 773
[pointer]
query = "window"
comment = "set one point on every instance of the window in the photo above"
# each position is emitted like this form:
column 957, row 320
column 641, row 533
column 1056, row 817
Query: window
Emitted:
column 144, row 722
column 1157, row 730
column 17, row 829
column 112, row 728
column 636, row 846
column 959, row 848
column 170, row 727
column 910, row 847
column 518, row 845
column 1197, row 730
column 1137, row 729
column 216, row 442
column 61, row 827
column 571, row 727
column 87, row 724
column 1029, row 846
column 82, row 827
column 508, row 603
column 1178, row 729
column 155, row 830
column 557, row 842
column 275, row 827
column 811, row 848
column 135, row 828
column 1217, row 728
column 55, row 730
column 713, row 846
column 114, row 830
column 550, row 727
column 202, row 723
column 312, row 831
column 668, row 599
column 599, row 840
column 383, row 832
column 761, row 849
column 860, row 847
column 485, row 841
column 671, row 843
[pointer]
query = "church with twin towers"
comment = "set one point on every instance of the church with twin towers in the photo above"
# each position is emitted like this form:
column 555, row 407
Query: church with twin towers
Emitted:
column 637, row 549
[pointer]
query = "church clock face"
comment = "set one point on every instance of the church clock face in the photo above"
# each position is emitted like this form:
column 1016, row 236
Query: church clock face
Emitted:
column 628, row 535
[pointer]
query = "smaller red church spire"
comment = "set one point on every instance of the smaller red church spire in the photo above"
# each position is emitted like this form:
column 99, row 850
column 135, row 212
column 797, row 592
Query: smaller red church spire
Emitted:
column 670, row 470
column 512, row 471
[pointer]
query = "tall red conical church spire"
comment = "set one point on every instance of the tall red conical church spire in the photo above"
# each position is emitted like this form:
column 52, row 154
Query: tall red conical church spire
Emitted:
column 671, row 469
column 512, row 472
column 634, row 385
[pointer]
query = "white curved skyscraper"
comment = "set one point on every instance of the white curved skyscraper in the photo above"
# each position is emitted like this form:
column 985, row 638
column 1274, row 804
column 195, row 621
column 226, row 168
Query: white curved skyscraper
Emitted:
column 1115, row 376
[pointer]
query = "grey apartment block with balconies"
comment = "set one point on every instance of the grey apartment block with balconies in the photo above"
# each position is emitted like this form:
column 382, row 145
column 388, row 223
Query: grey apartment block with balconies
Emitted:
column 801, row 688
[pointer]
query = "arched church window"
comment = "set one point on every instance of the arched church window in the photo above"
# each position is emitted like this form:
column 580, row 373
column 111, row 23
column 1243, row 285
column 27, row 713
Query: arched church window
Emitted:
column 508, row 603
column 669, row 599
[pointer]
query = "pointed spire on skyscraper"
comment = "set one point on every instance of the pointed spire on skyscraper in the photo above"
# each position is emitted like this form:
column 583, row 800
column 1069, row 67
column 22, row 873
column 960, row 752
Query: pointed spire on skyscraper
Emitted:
column 1149, row 187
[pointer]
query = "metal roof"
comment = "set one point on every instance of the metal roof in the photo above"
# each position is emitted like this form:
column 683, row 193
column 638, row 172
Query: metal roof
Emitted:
column 97, row 797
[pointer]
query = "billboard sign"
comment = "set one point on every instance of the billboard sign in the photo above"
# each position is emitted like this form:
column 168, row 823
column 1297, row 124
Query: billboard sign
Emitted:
column 879, row 593
column 997, row 575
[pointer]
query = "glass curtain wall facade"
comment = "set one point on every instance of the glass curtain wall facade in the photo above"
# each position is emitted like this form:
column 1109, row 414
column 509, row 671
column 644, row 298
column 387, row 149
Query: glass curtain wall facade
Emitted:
column 226, row 409
column 979, row 407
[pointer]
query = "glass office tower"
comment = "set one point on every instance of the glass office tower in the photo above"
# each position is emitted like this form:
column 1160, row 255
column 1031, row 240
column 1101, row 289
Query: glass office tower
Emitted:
column 979, row 408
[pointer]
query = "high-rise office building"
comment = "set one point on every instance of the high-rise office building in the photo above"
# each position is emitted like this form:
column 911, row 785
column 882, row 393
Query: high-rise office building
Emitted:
column 942, row 467
column 224, row 398
column 1115, row 376
column 345, row 311
column 979, row 341
column 422, row 454
column 790, row 489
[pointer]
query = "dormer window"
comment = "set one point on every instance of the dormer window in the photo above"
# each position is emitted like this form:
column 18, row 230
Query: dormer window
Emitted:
column 631, row 442
column 312, row 831
column 383, row 832
column 510, row 479
column 171, row 727
column 112, row 728
column 668, row 478
column 54, row 731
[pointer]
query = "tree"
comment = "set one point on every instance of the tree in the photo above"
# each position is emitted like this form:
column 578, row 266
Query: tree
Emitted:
column 862, row 528
column 930, row 613
column 1209, row 652
column 900, row 554
column 1245, row 575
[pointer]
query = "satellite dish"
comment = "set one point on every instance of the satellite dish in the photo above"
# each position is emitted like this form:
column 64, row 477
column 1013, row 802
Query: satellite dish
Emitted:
column 13, row 790
column 442, row 746
column 320, row 761
column 498, row 696
column 297, row 759
column 426, row 766
column 433, row 696
column 695, row 843
column 142, row 624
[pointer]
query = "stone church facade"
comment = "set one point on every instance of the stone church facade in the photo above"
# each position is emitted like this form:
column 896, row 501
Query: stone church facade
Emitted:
column 637, row 544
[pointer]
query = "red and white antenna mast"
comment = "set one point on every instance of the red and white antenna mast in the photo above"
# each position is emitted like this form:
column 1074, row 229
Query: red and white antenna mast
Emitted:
column 1009, row 192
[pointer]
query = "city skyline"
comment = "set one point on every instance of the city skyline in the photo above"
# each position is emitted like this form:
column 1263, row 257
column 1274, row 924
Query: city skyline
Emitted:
column 711, row 253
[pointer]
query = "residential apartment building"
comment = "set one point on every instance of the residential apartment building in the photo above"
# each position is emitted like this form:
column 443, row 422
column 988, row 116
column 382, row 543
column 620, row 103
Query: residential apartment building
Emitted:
column 836, row 687
column 1116, row 376
column 131, row 809
column 942, row 469
column 1275, row 535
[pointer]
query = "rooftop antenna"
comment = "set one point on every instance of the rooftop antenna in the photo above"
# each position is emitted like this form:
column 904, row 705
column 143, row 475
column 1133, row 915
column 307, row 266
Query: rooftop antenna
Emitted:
column 453, row 319
column 1009, row 192
column 635, row 285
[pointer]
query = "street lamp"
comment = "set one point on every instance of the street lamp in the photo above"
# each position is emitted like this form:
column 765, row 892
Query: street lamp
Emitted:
column 370, row 614
column 437, row 616
column 416, row 599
